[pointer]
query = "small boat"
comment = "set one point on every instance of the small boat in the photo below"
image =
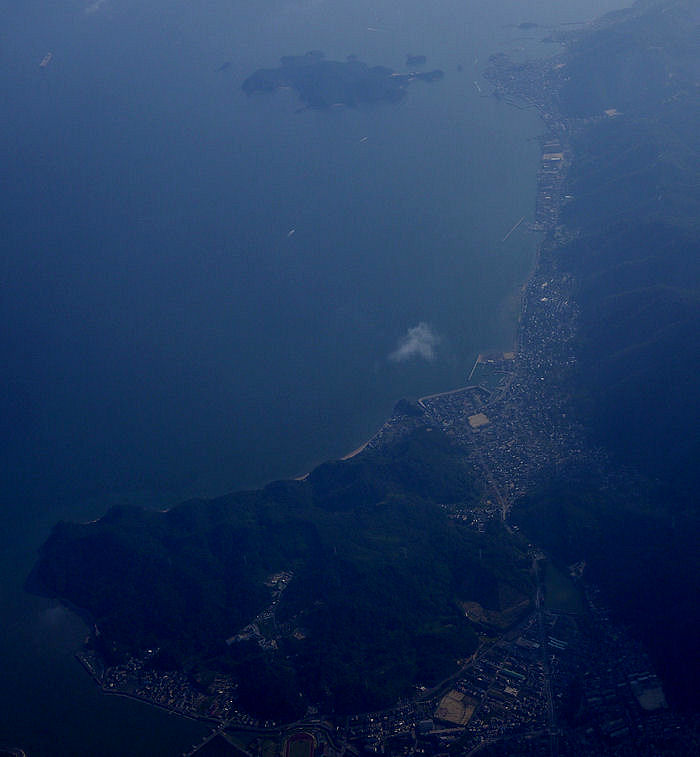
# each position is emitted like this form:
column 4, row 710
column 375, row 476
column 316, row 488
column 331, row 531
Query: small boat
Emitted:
column 46, row 60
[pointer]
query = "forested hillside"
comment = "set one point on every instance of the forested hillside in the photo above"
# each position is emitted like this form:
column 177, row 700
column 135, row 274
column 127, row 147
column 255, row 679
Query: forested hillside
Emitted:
column 377, row 572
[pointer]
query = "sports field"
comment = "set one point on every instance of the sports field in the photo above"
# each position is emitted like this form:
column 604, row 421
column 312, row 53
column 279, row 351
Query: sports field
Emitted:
column 299, row 745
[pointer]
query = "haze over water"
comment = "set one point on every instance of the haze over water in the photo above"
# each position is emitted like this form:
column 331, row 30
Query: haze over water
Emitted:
column 165, row 336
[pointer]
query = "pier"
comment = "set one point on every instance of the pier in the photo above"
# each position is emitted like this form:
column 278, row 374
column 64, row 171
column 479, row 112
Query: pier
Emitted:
column 515, row 227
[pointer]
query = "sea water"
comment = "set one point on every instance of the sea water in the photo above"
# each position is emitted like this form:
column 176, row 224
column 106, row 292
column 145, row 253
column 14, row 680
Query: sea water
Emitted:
column 204, row 291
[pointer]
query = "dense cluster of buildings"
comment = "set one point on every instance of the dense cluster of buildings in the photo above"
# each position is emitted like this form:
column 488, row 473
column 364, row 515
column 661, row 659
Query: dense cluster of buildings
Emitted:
column 173, row 690
column 558, row 683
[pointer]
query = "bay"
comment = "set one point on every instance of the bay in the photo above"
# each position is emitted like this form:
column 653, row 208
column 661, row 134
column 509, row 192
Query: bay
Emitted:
column 165, row 336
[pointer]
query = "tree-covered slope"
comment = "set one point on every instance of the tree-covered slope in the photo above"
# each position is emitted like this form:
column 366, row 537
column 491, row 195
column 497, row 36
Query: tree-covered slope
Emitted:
column 635, row 182
column 378, row 571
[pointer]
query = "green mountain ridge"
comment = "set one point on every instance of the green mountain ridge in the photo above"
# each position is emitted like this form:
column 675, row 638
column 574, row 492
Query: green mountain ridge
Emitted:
column 372, row 608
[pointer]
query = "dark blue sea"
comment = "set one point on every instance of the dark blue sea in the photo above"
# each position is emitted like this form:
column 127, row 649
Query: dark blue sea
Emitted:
column 203, row 291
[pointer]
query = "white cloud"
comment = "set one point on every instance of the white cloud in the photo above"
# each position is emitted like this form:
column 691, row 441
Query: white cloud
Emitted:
column 94, row 7
column 419, row 342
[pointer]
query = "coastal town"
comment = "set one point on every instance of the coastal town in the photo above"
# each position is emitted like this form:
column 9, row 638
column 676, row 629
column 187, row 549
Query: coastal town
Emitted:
column 518, row 694
column 556, row 677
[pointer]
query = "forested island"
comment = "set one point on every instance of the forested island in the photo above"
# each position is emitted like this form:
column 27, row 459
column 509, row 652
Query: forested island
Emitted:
column 321, row 83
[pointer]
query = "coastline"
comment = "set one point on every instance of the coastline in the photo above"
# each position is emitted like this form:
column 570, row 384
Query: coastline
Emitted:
column 358, row 449
column 543, row 224
column 136, row 698
column 348, row 456
column 482, row 357
column 165, row 708
column 528, row 339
